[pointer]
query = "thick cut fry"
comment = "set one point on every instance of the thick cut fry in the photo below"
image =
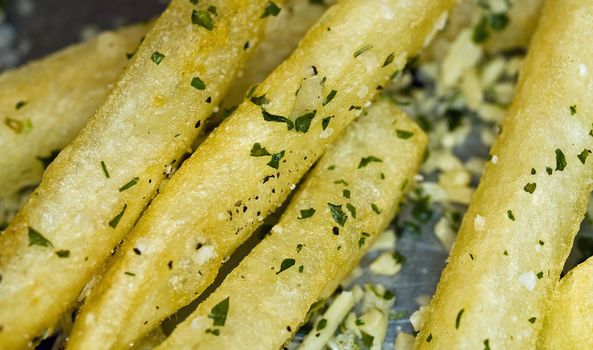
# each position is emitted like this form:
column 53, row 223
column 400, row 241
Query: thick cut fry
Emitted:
column 350, row 197
column 44, row 104
column 520, row 226
column 569, row 320
column 247, row 167
column 97, row 187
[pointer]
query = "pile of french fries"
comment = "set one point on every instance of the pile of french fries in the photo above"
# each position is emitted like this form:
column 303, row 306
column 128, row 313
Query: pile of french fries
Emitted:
column 157, row 155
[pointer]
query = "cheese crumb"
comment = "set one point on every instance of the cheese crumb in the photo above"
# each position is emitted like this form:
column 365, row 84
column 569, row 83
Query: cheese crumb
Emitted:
column 527, row 279
column 479, row 223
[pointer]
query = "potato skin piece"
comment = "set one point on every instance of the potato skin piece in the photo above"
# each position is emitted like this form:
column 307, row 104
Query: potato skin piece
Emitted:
column 146, row 124
column 568, row 321
column 501, row 272
column 60, row 93
column 220, row 195
column 263, row 301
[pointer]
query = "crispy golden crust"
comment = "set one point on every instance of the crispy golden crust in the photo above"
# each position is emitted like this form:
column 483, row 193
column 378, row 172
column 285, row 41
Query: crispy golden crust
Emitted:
column 56, row 95
column 220, row 195
column 268, row 305
column 568, row 321
column 520, row 226
column 145, row 125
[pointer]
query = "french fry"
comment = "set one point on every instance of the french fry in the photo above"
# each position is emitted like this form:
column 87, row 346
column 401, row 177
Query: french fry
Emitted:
column 568, row 321
column 44, row 104
column 520, row 225
column 346, row 201
column 94, row 191
column 248, row 166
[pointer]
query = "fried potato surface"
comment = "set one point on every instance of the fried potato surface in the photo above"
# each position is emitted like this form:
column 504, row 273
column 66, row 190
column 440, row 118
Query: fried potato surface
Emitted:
column 346, row 201
column 246, row 168
column 520, row 225
column 44, row 104
column 94, row 191
column 568, row 322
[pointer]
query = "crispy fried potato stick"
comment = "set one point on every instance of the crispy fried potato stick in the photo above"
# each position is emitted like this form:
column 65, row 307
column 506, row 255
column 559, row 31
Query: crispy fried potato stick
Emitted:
column 248, row 166
column 519, row 228
column 346, row 201
column 44, row 104
column 97, row 187
column 569, row 320
column 104, row 58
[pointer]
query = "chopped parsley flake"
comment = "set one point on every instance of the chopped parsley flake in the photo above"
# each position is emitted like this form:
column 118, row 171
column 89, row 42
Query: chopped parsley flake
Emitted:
column 325, row 122
column 530, row 187
column 352, row 210
column 346, row 194
column 36, row 238
column 583, row 155
column 219, row 312
column 389, row 59
column 429, row 338
column 113, row 222
column 130, row 273
column 299, row 247
column 376, row 209
column 403, row 134
column 306, row 213
column 573, row 109
column 511, row 215
column 458, row 318
column 212, row 9
column 130, row 184
column 104, row 167
column 540, row 275
column 157, row 57
column 302, row 123
column 549, row 170
column 271, row 10
column 362, row 239
column 63, row 253
column 197, row 83
column 286, row 264
column 329, row 97
column 367, row 339
column 321, row 324
column 362, row 50
column 560, row 160
column 301, row 268
column 532, row 320
column 341, row 182
column 338, row 214
column 203, row 19
column 258, row 151
column 487, row 344
column 275, row 161
column 499, row 21
column 278, row 119
column 367, row 160
column 20, row 105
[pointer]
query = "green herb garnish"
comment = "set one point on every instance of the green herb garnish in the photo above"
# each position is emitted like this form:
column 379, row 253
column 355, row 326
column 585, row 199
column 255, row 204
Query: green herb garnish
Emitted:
column 219, row 312
column 203, row 19
column 367, row 160
column 157, row 57
column 130, row 184
column 302, row 123
column 197, row 83
column 286, row 264
column 306, row 213
column 337, row 214
column 113, row 222
column 271, row 10
column 36, row 238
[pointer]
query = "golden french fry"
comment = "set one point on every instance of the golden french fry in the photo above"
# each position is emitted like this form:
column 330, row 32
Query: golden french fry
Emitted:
column 346, row 201
column 568, row 321
column 248, row 166
column 44, row 104
column 520, row 226
column 97, row 187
